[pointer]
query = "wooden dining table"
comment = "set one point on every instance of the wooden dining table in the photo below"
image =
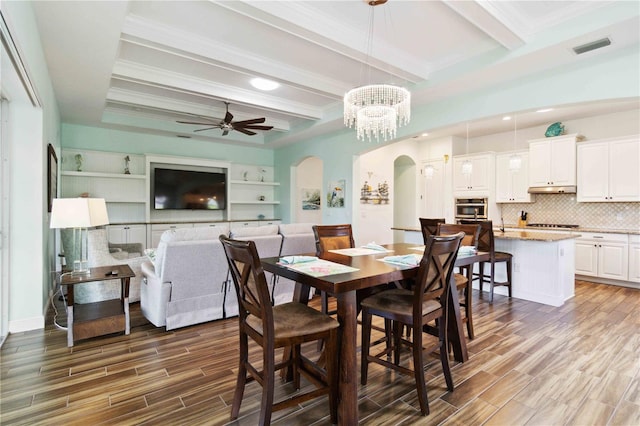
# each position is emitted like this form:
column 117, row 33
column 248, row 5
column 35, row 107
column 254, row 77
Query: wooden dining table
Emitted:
column 371, row 272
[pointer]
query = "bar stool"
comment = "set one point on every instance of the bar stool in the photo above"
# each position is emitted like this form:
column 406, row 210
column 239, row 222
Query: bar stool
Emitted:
column 486, row 242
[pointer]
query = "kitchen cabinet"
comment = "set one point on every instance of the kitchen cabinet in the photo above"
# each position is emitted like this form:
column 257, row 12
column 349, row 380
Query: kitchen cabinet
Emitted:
column 127, row 234
column 609, row 171
column 552, row 161
column 512, row 186
column 481, row 178
column 157, row 229
column 634, row 258
column 602, row 255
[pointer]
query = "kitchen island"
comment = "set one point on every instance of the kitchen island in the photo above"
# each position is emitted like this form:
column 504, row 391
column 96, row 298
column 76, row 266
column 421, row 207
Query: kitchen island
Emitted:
column 543, row 264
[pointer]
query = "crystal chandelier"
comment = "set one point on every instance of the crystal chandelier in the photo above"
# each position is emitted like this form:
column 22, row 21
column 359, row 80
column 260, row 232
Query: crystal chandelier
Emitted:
column 376, row 110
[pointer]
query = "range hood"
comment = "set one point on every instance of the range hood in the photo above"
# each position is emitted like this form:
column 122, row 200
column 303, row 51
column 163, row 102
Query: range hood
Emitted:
column 552, row 190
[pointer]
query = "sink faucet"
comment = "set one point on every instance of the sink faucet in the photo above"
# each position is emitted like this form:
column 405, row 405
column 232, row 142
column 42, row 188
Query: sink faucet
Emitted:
column 475, row 214
column 502, row 223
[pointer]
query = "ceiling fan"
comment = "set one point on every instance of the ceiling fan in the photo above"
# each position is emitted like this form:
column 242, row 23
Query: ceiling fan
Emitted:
column 245, row 126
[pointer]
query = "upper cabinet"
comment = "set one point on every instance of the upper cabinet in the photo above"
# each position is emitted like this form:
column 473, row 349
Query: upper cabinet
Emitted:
column 480, row 180
column 512, row 186
column 609, row 170
column 552, row 161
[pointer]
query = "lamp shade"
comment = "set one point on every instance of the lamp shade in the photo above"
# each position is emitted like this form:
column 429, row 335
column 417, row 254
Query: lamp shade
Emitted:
column 78, row 213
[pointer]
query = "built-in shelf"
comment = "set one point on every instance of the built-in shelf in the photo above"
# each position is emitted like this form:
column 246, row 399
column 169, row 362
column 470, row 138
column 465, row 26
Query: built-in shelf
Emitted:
column 249, row 182
column 102, row 175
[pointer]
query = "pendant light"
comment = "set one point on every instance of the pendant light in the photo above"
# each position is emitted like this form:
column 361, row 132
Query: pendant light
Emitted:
column 429, row 170
column 515, row 161
column 467, row 167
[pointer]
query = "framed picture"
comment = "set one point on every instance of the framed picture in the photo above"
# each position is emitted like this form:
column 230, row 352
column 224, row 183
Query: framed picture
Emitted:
column 335, row 193
column 310, row 198
column 52, row 176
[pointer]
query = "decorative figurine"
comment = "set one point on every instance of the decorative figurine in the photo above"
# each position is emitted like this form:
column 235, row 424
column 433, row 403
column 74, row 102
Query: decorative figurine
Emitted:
column 126, row 165
column 78, row 158
column 245, row 175
column 262, row 173
column 556, row 129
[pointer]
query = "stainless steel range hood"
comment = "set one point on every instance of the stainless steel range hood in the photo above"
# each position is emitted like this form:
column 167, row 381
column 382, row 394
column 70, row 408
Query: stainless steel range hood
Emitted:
column 552, row 190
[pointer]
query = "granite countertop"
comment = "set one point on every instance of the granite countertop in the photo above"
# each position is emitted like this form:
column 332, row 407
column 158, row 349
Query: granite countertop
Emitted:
column 544, row 230
column 534, row 236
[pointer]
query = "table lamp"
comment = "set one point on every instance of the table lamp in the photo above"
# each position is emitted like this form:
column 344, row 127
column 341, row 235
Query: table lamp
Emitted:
column 79, row 214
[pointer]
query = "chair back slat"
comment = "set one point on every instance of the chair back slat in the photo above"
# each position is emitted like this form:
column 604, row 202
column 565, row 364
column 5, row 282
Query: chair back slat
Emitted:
column 249, row 281
column 333, row 237
column 486, row 241
column 472, row 232
column 436, row 267
column 429, row 226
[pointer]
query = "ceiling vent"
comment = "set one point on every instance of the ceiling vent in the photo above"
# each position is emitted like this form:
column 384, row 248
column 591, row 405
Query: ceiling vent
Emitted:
column 603, row 42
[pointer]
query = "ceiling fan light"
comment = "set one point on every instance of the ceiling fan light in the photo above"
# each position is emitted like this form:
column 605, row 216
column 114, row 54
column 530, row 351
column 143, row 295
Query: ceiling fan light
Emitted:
column 264, row 84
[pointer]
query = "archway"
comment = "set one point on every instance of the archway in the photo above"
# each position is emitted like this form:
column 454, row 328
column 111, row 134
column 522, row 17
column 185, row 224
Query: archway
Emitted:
column 405, row 192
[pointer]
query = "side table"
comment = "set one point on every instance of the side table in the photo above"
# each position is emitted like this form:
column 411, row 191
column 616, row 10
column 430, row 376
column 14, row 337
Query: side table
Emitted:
column 98, row 318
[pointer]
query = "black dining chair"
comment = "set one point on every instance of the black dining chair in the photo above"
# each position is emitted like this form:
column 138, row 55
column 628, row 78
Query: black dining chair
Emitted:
column 427, row 302
column 282, row 326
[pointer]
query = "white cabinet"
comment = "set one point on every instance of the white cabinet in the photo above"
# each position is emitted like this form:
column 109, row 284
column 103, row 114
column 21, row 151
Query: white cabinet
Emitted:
column 512, row 186
column 157, row 229
column 609, row 171
column 602, row 255
column 127, row 234
column 552, row 161
column 480, row 180
column 634, row 258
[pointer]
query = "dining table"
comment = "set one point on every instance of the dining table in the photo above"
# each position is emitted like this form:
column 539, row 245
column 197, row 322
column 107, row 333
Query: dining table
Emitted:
column 366, row 270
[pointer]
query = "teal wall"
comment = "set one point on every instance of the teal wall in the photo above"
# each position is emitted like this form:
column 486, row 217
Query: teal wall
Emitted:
column 604, row 77
column 30, row 129
column 99, row 139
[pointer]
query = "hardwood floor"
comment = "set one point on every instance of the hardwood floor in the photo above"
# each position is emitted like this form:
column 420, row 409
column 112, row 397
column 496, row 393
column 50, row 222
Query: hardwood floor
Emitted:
column 530, row 364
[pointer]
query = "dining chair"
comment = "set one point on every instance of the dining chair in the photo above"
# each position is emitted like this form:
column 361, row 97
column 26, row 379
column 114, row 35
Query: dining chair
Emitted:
column 486, row 242
column 463, row 282
column 416, row 308
column 429, row 226
column 272, row 327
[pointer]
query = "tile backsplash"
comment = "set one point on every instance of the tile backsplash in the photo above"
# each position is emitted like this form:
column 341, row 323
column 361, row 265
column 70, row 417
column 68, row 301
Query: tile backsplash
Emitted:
column 563, row 209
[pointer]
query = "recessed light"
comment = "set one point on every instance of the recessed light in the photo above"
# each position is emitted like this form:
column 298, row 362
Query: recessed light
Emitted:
column 506, row 118
column 425, row 134
column 545, row 110
column 264, row 84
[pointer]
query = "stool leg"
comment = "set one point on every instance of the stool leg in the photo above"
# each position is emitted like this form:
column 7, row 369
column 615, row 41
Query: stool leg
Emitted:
column 509, row 278
column 492, row 281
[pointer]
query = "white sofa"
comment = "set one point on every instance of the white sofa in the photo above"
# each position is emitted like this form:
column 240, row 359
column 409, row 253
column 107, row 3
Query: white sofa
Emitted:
column 187, row 282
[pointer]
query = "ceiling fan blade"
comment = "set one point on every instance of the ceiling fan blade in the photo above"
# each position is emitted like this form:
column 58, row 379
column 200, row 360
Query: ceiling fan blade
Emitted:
column 246, row 132
column 206, row 128
column 252, row 121
column 256, row 127
column 228, row 117
column 225, row 133
column 194, row 122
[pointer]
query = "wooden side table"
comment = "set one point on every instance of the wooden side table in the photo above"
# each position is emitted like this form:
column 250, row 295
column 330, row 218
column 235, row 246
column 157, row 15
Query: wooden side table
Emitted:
column 98, row 318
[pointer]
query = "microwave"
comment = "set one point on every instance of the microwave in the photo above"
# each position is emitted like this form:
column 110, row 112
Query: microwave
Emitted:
column 471, row 208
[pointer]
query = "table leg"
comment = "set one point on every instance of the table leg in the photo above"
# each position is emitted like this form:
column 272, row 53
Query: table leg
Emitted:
column 125, row 292
column 70, row 326
column 455, row 328
column 348, row 381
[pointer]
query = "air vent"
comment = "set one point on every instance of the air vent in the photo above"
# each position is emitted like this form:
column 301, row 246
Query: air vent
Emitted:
column 592, row 46
column 183, row 136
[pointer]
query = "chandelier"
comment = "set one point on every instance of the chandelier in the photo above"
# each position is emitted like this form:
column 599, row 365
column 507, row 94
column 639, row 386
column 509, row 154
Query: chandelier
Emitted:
column 376, row 110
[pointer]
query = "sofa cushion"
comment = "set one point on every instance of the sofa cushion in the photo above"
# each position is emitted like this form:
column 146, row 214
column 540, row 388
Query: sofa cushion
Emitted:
column 254, row 231
column 296, row 228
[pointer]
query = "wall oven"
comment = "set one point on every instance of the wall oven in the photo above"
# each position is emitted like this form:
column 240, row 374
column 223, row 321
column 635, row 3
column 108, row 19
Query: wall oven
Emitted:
column 471, row 208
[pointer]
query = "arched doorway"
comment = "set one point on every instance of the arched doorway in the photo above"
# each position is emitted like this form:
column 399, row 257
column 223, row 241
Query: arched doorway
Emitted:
column 405, row 193
column 307, row 178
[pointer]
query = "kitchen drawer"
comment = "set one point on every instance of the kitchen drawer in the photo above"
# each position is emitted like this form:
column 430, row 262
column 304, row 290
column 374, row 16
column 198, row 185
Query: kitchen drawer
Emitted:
column 593, row 236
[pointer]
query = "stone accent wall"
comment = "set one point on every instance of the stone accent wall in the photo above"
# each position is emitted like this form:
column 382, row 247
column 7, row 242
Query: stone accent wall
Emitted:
column 563, row 209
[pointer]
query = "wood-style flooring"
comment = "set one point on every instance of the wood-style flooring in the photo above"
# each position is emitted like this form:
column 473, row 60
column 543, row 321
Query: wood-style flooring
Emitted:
column 530, row 364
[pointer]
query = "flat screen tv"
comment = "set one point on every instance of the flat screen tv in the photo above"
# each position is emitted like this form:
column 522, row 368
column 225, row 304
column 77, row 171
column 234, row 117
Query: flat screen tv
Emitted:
column 188, row 190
